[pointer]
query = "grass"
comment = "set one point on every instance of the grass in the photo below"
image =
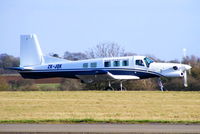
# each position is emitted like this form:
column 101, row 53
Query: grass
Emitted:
column 72, row 121
column 100, row 107
column 48, row 86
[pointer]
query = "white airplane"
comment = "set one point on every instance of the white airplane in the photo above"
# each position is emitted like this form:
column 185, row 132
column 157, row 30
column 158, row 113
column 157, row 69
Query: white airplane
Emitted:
column 34, row 65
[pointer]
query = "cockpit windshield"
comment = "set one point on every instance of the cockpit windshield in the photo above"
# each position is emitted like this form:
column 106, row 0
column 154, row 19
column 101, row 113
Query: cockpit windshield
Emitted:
column 148, row 61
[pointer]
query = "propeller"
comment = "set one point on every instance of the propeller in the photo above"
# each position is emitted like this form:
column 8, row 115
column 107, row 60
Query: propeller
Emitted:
column 184, row 69
column 185, row 78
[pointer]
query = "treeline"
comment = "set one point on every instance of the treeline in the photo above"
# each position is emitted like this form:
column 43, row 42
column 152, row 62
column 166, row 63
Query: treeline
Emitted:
column 101, row 50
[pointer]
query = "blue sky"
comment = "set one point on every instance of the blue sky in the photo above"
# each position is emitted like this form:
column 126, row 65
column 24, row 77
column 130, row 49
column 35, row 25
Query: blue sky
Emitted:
column 157, row 27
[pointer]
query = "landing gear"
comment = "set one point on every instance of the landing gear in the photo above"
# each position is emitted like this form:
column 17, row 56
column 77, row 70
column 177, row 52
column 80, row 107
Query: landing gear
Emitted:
column 160, row 84
column 109, row 87
column 121, row 88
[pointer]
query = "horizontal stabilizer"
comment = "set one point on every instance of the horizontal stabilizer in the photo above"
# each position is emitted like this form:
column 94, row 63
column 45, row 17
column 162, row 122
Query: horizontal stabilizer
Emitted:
column 20, row 68
column 50, row 59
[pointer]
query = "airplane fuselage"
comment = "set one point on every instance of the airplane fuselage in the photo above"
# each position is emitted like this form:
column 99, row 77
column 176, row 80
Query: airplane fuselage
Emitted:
column 34, row 65
column 140, row 67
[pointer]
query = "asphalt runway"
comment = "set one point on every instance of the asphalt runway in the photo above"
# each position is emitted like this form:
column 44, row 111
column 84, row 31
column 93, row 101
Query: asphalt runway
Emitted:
column 99, row 128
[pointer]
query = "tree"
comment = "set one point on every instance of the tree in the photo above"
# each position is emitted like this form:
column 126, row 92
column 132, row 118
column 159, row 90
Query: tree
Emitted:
column 74, row 56
column 129, row 54
column 192, row 60
column 23, row 85
column 105, row 50
column 70, row 85
column 8, row 61
column 4, row 86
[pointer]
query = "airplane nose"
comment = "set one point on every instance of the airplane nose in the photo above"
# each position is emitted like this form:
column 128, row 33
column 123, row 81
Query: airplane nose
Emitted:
column 187, row 67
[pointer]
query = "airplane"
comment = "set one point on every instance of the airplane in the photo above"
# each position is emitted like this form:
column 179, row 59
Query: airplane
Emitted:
column 35, row 65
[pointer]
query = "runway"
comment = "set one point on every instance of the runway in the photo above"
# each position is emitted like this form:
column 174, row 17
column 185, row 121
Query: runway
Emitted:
column 99, row 128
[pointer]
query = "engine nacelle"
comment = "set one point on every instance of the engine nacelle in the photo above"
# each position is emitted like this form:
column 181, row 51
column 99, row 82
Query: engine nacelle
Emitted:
column 172, row 74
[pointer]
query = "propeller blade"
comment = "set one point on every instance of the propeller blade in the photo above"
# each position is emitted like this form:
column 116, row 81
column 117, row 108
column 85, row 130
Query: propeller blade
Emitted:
column 185, row 78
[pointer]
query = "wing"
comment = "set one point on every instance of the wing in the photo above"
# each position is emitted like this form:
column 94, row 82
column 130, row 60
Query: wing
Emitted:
column 102, row 75
column 123, row 77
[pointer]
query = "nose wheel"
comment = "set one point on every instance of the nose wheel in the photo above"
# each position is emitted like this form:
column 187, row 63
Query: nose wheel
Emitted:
column 121, row 87
column 160, row 84
column 109, row 87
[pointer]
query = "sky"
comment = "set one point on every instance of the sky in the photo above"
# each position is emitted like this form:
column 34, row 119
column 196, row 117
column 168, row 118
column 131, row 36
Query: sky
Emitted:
column 155, row 27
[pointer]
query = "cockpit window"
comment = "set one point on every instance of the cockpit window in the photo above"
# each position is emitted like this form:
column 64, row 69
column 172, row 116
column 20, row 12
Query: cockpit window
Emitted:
column 139, row 63
column 148, row 61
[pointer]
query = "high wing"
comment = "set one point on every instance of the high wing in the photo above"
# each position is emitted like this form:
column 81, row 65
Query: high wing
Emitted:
column 102, row 75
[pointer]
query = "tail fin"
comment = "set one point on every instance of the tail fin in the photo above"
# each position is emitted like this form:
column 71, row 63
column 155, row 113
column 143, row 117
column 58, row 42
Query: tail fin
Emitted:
column 30, row 51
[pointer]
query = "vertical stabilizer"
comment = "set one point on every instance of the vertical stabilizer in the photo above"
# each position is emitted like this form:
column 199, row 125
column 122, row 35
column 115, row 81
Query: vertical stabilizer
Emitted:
column 30, row 51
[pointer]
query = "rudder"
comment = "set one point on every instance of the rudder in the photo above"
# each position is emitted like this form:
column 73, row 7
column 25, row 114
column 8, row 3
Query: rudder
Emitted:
column 30, row 51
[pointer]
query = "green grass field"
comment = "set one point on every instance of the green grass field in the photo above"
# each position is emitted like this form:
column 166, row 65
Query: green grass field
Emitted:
column 99, row 106
column 49, row 86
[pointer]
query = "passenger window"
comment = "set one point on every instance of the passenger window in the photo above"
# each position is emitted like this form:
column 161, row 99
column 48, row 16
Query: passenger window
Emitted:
column 107, row 64
column 139, row 63
column 125, row 63
column 116, row 63
column 85, row 65
column 93, row 64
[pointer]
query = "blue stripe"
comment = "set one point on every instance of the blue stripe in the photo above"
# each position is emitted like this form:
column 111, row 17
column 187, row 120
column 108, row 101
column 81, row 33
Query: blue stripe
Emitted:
column 69, row 73
column 95, row 69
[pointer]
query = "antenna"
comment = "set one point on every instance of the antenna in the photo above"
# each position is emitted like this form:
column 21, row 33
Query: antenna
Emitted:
column 184, row 54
